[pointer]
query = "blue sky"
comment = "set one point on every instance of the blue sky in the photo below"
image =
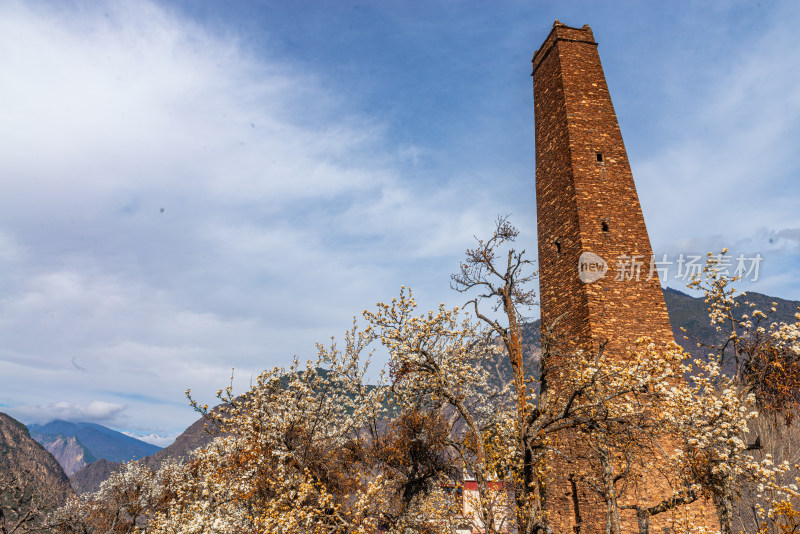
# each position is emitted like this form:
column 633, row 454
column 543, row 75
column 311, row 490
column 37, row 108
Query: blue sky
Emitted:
column 190, row 187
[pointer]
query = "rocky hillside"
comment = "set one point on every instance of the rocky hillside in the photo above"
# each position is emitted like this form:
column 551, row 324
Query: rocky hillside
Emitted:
column 88, row 479
column 28, row 474
column 69, row 451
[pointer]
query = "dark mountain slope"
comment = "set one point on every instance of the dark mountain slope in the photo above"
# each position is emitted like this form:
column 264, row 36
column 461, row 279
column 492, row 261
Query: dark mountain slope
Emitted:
column 28, row 474
column 692, row 313
column 88, row 479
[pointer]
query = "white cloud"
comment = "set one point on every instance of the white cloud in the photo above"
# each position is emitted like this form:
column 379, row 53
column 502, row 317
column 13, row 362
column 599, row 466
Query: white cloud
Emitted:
column 100, row 412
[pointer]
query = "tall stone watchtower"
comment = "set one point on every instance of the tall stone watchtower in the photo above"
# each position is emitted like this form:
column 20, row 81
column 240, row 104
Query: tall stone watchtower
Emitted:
column 588, row 212
column 596, row 284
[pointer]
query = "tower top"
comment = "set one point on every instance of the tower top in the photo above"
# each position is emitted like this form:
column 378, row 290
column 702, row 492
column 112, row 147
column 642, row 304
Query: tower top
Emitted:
column 562, row 32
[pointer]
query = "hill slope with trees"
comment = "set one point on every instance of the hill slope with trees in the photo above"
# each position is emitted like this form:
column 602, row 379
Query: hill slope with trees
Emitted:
column 32, row 482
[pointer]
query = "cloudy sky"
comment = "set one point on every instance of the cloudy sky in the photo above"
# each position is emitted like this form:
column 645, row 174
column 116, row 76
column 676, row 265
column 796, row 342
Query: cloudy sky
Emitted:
column 191, row 187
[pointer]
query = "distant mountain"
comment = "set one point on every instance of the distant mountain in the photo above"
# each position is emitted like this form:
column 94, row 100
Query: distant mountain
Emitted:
column 692, row 313
column 76, row 445
column 89, row 478
column 70, row 453
column 684, row 311
column 29, row 475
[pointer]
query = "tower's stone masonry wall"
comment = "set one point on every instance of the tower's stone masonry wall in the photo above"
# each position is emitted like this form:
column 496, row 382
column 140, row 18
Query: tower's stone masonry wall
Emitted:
column 587, row 203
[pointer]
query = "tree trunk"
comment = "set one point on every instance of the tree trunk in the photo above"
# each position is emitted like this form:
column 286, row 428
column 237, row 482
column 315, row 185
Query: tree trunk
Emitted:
column 487, row 508
column 643, row 519
column 724, row 506
column 609, row 493
column 527, row 490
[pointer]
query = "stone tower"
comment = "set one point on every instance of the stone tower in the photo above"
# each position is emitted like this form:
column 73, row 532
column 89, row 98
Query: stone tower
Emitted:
column 587, row 207
column 596, row 284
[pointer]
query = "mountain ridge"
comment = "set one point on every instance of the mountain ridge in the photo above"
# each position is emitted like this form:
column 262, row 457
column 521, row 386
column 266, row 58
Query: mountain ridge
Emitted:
column 76, row 445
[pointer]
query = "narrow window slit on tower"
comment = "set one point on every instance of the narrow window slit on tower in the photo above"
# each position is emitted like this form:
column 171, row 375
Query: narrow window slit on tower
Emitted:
column 576, row 508
column 604, row 225
column 599, row 157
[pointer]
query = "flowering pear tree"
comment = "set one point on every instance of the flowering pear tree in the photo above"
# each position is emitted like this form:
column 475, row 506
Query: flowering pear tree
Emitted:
column 125, row 503
column 286, row 460
column 415, row 457
column 713, row 412
column 621, row 429
column 764, row 357
column 435, row 363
